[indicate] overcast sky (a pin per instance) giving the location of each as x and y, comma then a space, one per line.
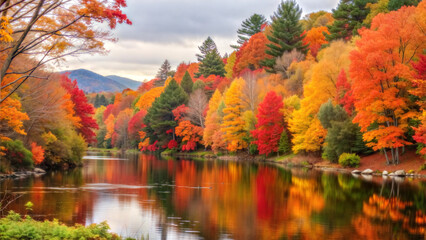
173, 30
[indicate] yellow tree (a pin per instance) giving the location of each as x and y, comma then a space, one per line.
230, 65
233, 123
146, 100
212, 121
308, 134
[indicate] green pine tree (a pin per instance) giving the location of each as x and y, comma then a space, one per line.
97, 104
103, 101
349, 17
162, 74
212, 64
284, 146
248, 28
287, 33
159, 118
208, 46
397, 4
187, 83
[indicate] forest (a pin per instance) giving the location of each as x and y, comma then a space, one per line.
336, 85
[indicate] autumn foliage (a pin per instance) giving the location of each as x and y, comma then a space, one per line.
269, 124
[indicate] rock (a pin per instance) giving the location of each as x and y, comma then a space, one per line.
356, 171
391, 174
367, 172
367, 177
385, 172
39, 170
400, 173
399, 179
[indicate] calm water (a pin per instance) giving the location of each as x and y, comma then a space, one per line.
141, 195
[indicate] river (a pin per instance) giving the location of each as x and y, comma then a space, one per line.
143, 196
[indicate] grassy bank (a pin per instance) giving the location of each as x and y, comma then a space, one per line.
13, 226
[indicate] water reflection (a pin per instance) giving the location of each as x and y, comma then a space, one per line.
169, 199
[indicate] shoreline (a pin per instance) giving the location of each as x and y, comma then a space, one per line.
317, 163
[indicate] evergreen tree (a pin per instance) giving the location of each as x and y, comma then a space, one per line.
284, 146
208, 46
96, 104
287, 33
103, 101
397, 4
212, 64
163, 73
349, 17
342, 135
199, 84
160, 120
187, 83
249, 27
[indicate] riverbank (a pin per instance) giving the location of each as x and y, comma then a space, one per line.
410, 162
37, 172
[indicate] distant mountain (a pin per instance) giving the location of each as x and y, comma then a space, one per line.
91, 82
132, 84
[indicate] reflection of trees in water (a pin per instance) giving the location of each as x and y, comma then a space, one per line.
390, 214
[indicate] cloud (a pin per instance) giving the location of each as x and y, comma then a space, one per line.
173, 29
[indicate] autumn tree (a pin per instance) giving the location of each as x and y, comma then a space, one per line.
382, 77
283, 62
197, 104
308, 134
250, 92
212, 120
190, 134
287, 33
269, 124
349, 17
230, 65
316, 20
38, 153
135, 125
51, 30
344, 94
208, 46
187, 83
249, 27
82, 108
233, 123
315, 38
146, 100
251, 53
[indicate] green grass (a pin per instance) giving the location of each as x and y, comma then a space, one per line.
13, 226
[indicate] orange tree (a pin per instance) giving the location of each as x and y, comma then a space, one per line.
383, 77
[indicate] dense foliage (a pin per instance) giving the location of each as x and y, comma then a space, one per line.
350, 81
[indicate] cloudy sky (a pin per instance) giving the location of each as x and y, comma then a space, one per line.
173, 30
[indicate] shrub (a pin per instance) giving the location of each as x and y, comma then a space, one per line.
349, 160
16, 154
13, 226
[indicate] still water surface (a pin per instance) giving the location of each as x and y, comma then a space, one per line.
144, 196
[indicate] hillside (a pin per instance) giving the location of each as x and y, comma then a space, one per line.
132, 84
90, 81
